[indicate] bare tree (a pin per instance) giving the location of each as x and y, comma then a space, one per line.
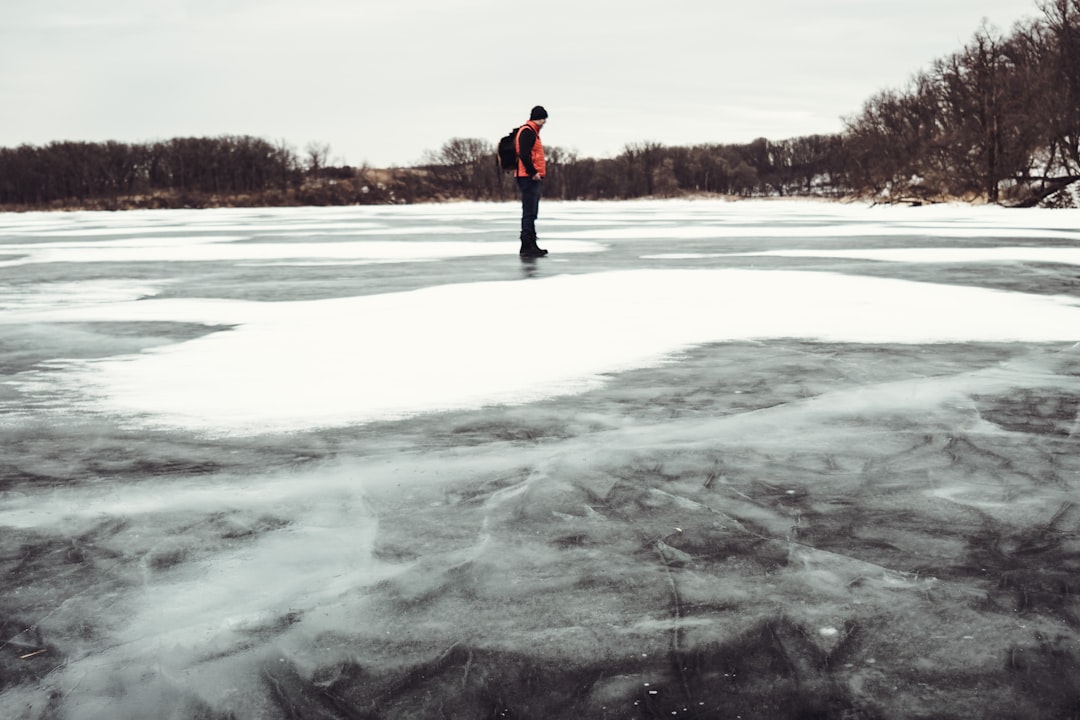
316, 156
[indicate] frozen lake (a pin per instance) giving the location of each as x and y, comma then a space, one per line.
706, 460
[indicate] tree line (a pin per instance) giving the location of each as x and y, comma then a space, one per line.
182, 172
83, 171
799, 166
998, 120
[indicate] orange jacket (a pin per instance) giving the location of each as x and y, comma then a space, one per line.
536, 156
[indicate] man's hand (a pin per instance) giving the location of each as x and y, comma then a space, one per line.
537, 177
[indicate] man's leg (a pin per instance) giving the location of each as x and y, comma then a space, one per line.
530, 208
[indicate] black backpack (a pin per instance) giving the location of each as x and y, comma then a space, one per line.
506, 155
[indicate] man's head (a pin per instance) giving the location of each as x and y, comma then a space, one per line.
538, 114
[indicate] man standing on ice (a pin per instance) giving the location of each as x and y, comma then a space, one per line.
531, 168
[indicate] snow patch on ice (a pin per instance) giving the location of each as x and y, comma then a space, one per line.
302, 365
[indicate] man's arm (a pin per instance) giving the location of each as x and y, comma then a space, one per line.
526, 140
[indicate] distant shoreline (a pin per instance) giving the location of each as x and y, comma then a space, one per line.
177, 201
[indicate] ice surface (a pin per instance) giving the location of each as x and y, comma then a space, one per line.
705, 460
1063, 255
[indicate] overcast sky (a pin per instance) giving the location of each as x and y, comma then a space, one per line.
382, 81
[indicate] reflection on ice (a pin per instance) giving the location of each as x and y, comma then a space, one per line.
220, 250
660, 484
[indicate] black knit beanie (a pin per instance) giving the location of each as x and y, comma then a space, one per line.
538, 113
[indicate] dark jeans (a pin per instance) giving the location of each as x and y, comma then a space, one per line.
530, 205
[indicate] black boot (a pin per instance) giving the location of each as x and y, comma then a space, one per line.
529, 247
